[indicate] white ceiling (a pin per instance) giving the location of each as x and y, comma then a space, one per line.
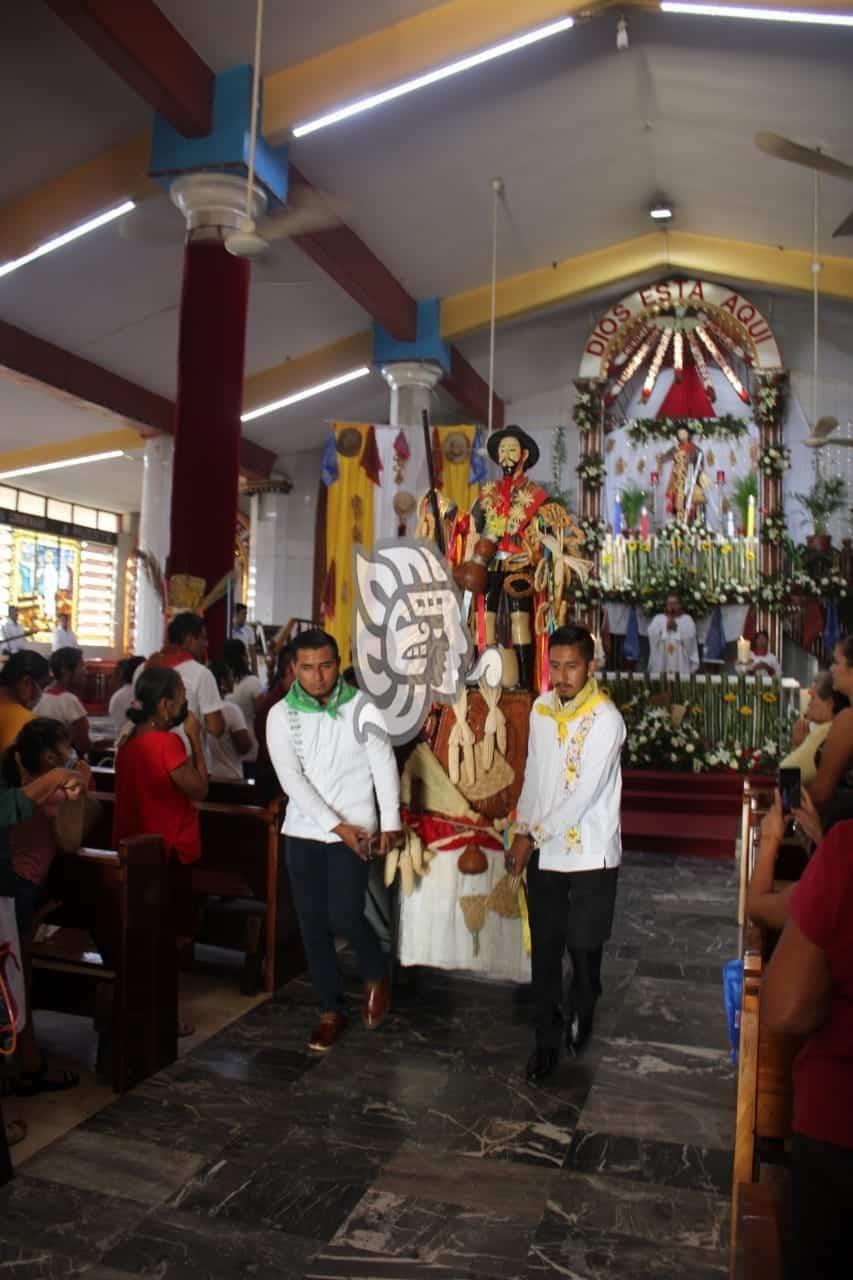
113, 485
583, 135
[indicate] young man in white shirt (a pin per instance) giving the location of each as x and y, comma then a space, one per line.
331, 825
12, 633
63, 636
568, 837
673, 649
186, 652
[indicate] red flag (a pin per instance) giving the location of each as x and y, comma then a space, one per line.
370, 460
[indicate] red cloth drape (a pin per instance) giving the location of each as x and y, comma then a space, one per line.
205, 480
687, 398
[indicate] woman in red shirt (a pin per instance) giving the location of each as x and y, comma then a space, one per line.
157, 782
809, 991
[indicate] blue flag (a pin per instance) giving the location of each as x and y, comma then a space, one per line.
631, 651
715, 641
831, 630
329, 466
478, 470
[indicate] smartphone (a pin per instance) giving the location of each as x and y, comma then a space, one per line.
789, 789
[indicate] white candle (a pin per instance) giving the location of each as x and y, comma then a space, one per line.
744, 651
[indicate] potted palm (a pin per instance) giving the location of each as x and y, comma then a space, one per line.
825, 498
633, 500
746, 487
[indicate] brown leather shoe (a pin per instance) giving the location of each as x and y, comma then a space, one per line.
377, 1003
329, 1031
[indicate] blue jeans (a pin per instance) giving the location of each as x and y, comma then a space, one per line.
329, 885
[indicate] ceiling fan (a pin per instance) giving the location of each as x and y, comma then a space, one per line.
773, 144
821, 433
307, 210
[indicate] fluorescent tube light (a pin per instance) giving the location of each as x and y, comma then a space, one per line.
67, 236
759, 15
431, 77
59, 466
306, 394
661, 213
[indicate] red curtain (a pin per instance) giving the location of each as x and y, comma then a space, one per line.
206, 473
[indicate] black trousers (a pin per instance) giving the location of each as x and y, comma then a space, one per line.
568, 912
329, 884
821, 1201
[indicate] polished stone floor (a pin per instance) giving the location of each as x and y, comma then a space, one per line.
419, 1151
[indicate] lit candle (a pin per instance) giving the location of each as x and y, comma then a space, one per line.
744, 651
750, 517
730, 524
617, 515
644, 524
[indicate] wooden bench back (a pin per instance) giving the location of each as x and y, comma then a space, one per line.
104, 778
119, 898
765, 1087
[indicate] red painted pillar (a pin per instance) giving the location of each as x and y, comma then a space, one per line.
211, 347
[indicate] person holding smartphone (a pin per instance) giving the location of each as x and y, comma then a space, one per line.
331, 826
791, 814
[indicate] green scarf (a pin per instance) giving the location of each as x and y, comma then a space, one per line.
299, 700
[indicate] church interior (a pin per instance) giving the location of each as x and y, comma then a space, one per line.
251, 417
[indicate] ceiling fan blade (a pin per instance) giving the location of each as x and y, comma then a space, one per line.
773, 144
846, 227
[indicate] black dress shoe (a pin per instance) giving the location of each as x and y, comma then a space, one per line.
542, 1063
578, 1031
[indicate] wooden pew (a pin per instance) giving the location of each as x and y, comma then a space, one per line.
113, 957
239, 863
104, 780
759, 1254
764, 1092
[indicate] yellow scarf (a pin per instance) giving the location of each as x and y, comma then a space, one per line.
587, 700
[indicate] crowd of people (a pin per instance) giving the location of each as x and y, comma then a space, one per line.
180, 722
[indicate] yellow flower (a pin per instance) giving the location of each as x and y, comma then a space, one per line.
573, 837
729, 697
750, 555
746, 711
697, 709
726, 549
769, 697
607, 559
632, 545
704, 546
571, 773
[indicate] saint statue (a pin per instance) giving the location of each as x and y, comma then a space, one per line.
688, 481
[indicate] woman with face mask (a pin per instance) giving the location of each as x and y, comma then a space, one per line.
23, 680
157, 782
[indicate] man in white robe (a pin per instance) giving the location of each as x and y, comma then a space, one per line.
568, 837
673, 649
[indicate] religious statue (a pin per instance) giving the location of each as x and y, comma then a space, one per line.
688, 481
502, 566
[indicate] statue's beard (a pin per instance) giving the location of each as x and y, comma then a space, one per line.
511, 468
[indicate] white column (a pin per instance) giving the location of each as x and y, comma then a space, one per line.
412, 383
153, 538
268, 556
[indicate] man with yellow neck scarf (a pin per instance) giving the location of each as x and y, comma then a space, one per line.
568, 837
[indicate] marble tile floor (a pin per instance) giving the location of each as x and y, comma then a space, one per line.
419, 1151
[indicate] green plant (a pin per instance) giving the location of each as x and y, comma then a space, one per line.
633, 500
824, 499
746, 487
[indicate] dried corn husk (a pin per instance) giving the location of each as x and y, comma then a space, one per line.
407, 874
474, 913
460, 750
392, 860
494, 730
439, 793
503, 899
415, 848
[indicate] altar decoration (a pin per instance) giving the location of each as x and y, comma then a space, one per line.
705, 723
642, 430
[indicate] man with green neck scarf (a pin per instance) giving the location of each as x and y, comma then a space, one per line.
568, 837
331, 826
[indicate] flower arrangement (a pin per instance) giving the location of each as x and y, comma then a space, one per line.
825, 586
732, 755
587, 410
655, 740
592, 470
678, 532
769, 399
774, 460
559, 454
594, 532
642, 430
773, 526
